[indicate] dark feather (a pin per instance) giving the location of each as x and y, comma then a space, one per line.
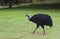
41, 19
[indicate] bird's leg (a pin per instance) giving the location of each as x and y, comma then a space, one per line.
43, 29
35, 29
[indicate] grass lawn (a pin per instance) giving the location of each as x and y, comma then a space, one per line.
15, 25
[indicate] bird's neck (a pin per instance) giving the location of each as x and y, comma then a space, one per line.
28, 17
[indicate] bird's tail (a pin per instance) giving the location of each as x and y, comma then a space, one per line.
51, 25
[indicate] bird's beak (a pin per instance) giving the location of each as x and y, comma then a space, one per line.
26, 15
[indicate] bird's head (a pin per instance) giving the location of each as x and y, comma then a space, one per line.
28, 16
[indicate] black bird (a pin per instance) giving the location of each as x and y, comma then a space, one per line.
40, 20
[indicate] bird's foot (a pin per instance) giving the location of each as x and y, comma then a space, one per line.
44, 33
32, 32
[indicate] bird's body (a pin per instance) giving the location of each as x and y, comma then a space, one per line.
41, 20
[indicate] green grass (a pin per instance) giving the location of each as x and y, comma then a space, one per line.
15, 25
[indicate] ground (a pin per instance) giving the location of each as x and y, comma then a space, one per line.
15, 25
